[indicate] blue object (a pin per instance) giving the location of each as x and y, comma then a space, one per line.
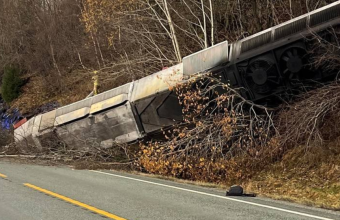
7, 118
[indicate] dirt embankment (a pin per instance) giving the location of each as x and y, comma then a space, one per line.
311, 178
301, 166
40, 90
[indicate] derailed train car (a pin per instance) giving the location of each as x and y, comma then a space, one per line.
265, 64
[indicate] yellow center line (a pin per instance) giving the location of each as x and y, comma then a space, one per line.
3, 175
80, 204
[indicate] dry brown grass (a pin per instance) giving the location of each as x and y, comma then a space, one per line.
40, 90
311, 178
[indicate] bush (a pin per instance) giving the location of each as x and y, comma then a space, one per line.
5, 138
11, 84
219, 141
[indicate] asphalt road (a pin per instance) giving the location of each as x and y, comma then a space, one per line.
31, 192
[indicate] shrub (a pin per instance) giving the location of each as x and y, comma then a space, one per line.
218, 141
11, 84
5, 138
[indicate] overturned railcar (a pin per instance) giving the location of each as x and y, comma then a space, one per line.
276, 60
266, 64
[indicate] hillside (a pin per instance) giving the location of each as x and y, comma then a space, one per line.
58, 48
290, 151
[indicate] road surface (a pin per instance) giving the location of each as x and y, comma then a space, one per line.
32, 192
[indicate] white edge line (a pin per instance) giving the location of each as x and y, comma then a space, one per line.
216, 196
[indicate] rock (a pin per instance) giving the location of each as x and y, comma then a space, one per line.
235, 190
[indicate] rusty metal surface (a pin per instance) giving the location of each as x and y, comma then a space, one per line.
206, 59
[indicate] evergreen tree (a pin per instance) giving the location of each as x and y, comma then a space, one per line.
11, 83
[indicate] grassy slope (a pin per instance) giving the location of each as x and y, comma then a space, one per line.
40, 90
310, 177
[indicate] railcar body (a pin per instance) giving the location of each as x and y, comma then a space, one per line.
265, 64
